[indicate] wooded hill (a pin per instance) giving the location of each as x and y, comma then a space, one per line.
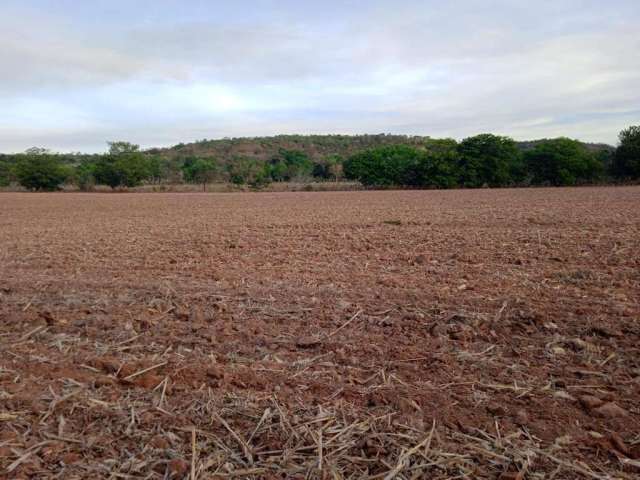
316, 147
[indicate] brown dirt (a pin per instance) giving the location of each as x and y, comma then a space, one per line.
442, 334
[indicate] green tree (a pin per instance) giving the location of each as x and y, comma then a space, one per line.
186, 167
124, 165
37, 169
438, 165
85, 175
171, 169
298, 164
278, 170
328, 168
334, 166
562, 161
6, 169
156, 165
247, 170
320, 170
121, 148
388, 165
441, 145
489, 160
200, 170
626, 161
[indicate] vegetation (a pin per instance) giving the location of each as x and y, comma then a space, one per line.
626, 161
200, 170
39, 170
374, 160
488, 160
6, 170
246, 170
482, 160
123, 166
328, 168
562, 161
385, 166
439, 165
494, 161
85, 175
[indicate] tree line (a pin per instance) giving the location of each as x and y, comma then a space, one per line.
488, 160
394, 161
125, 165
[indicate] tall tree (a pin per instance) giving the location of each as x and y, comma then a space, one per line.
124, 165
626, 161
201, 170
488, 159
39, 169
384, 166
562, 161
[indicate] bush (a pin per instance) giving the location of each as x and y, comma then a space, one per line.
41, 171
562, 161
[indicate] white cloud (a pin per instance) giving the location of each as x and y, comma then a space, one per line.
416, 67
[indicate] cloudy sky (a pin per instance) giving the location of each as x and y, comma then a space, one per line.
76, 73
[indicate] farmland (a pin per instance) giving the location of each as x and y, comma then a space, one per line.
395, 334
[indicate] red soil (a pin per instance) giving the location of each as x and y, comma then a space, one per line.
220, 335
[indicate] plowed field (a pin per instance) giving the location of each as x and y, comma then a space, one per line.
416, 334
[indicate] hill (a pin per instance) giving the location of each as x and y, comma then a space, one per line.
316, 147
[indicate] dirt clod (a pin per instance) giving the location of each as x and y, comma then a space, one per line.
590, 401
308, 342
178, 468
610, 410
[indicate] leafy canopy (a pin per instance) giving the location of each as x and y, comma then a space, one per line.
626, 162
488, 159
124, 165
200, 170
562, 161
402, 165
41, 170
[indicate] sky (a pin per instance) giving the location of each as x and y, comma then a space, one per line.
76, 73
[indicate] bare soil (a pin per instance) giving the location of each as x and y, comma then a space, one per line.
438, 334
